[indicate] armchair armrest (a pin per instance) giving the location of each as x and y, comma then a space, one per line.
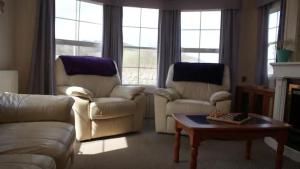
34, 108
219, 96
168, 93
75, 91
126, 92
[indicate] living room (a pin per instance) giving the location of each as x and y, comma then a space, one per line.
140, 84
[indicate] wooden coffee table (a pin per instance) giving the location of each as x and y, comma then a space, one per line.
199, 129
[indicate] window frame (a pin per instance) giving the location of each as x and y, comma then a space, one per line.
200, 50
80, 43
139, 48
272, 11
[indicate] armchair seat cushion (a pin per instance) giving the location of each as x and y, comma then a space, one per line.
53, 139
111, 107
189, 106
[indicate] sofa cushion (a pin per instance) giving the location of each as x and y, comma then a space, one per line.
54, 139
189, 106
106, 108
28, 108
26, 161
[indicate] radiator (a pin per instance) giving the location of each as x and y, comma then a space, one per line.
149, 90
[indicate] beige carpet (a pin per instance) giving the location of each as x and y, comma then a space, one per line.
149, 150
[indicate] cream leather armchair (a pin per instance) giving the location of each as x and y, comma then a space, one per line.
189, 97
103, 107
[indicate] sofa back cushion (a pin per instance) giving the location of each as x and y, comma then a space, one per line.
31, 108
197, 90
100, 86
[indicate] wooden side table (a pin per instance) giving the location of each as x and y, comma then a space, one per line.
251, 92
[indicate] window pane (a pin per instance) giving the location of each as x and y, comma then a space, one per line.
148, 58
147, 76
91, 12
90, 51
190, 57
190, 20
272, 52
272, 35
131, 57
189, 39
61, 26
130, 75
148, 37
131, 16
131, 36
90, 32
66, 9
65, 50
211, 20
209, 58
210, 39
273, 20
149, 18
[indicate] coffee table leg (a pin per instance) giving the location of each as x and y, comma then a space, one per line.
248, 149
194, 154
177, 144
282, 139
194, 142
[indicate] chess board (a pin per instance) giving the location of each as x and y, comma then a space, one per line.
228, 118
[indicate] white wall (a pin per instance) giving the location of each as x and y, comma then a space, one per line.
25, 22
248, 41
7, 25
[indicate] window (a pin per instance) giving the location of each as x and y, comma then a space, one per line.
273, 27
200, 36
78, 28
140, 34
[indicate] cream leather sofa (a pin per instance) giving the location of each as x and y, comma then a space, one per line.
36, 131
103, 107
189, 97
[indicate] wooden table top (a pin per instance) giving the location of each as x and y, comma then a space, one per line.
257, 122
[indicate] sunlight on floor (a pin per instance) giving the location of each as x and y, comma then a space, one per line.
101, 146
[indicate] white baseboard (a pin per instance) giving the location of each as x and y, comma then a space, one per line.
288, 152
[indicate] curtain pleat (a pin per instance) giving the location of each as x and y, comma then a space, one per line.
262, 46
229, 44
281, 23
113, 34
42, 80
169, 43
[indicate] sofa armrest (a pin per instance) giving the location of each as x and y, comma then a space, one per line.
75, 91
126, 92
168, 93
34, 108
219, 96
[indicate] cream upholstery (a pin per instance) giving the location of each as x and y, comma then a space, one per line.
103, 107
189, 97
26, 161
36, 125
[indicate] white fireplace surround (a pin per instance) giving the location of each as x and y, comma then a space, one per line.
282, 72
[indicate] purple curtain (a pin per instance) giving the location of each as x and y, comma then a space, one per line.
262, 46
112, 34
169, 42
229, 44
42, 80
